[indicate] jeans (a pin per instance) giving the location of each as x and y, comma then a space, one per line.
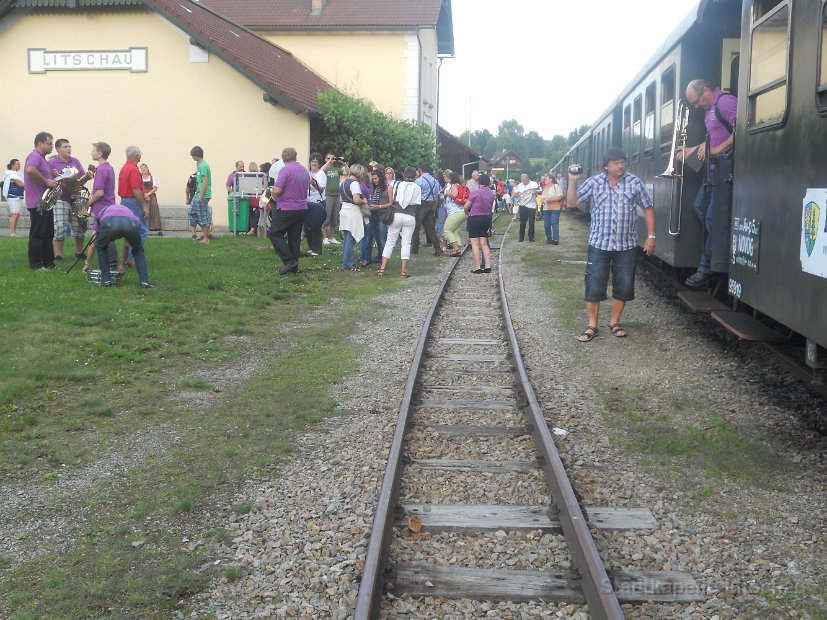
348, 250
286, 233
702, 206
132, 205
440, 220
527, 217
376, 230
622, 265
117, 227
551, 222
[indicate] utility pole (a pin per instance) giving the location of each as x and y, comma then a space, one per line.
469, 121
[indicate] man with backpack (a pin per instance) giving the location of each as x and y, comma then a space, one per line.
720, 112
426, 211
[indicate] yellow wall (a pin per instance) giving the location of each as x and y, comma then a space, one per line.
175, 105
383, 67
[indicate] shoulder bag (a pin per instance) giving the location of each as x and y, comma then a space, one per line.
391, 212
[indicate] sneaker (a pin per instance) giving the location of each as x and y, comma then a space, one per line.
147, 285
312, 253
195, 237
555, 242
334, 241
12, 235
698, 279
325, 241
58, 257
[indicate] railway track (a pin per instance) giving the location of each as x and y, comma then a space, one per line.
473, 462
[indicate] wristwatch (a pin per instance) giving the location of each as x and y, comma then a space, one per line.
651, 236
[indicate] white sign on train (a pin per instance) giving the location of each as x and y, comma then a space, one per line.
133, 59
813, 246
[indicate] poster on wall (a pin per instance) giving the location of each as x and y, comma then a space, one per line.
813, 249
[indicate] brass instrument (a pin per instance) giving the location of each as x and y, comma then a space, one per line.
266, 197
678, 136
674, 170
52, 194
80, 196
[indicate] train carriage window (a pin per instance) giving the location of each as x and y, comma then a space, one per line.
627, 128
769, 67
637, 109
649, 122
667, 110
822, 63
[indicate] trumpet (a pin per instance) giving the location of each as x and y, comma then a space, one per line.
678, 141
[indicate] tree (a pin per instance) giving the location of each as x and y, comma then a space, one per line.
360, 133
535, 145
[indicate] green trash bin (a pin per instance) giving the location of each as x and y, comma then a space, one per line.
240, 220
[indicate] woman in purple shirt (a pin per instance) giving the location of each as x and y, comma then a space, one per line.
479, 207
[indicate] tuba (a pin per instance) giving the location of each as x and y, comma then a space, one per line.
52, 194
80, 196
678, 142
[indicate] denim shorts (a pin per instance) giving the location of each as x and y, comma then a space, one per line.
622, 265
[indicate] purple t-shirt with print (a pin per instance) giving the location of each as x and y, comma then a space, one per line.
293, 179
57, 164
34, 189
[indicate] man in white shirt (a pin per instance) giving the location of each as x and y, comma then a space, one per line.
525, 197
473, 183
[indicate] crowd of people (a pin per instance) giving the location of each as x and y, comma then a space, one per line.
366, 209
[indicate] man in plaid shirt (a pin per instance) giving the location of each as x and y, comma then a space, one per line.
615, 196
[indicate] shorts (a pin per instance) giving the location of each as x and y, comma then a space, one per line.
332, 206
478, 226
63, 219
200, 213
622, 265
15, 204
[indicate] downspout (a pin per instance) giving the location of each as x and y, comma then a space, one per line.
419, 80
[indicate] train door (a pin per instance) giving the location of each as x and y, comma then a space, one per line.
724, 178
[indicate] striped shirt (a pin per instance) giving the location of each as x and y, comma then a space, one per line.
614, 211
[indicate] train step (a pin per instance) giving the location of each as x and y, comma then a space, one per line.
746, 327
701, 301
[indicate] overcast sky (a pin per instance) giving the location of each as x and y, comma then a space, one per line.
553, 66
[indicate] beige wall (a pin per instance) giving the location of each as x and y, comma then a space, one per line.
387, 68
167, 110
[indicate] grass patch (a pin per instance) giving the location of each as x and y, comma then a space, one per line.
67, 396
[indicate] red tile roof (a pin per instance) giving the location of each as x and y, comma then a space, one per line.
361, 14
276, 71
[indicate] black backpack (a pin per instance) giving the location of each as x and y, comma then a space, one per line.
192, 184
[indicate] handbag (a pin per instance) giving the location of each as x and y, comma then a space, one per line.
391, 211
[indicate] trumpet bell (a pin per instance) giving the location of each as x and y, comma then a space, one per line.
80, 203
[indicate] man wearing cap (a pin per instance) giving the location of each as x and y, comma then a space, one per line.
615, 195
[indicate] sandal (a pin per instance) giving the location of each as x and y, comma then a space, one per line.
588, 335
618, 331
404, 274
380, 272
477, 270
456, 254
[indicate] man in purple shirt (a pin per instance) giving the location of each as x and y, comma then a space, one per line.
37, 177
239, 167
103, 190
721, 109
63, 207
116, 222
291, 208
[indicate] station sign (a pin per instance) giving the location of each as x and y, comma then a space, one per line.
133, 59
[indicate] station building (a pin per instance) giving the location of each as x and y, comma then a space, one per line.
237, 77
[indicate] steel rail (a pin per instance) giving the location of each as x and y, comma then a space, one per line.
595, 583
370, 587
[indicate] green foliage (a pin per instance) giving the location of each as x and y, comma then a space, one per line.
542, 153
355, 130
